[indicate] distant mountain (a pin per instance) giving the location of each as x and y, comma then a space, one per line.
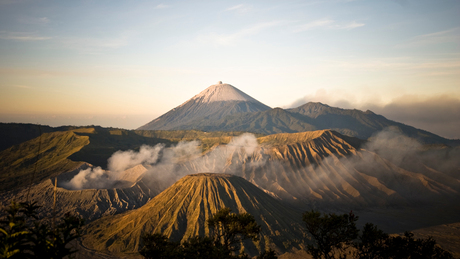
181, 211
359, 124
222, 107
315, 116
214, 103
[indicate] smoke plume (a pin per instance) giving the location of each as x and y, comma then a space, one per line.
167, 164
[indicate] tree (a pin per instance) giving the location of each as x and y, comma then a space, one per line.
23, 235
332, 233
373, 243
230, 229
158, 246
377, 244
204, 247
267, 254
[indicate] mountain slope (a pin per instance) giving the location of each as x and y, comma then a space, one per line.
271, 121
214, 103
181, 212
20, 161
136, 190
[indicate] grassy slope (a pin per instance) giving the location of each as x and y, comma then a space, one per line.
63, 146
106, 141
18, 162
16, 133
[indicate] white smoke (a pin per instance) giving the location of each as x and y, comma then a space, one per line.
97, 178
122, 160
90, 178
168, 164
186, 158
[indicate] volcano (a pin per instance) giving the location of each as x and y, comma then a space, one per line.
181, 211
214, 103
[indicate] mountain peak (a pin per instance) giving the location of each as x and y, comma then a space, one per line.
212, 104
222, 92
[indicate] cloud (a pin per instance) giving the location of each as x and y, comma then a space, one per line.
21, 36
162, 6
446, 36
439, 114
327, 24
348, 26
241, 8
91, 44
35, 20
403, 3
229, 39
314, 24
44, 20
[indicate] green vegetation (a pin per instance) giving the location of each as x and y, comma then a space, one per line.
20, 161
228, 229
207, 139
23, 235
180, 135
336, 236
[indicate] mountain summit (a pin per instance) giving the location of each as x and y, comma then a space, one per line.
214, 103
222, 93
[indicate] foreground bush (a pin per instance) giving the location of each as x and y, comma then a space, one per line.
228, 230
23, 235
336, 236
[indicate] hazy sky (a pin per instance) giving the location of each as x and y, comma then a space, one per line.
124, 63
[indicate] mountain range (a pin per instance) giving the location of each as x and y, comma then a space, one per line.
199, 159
223, 107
